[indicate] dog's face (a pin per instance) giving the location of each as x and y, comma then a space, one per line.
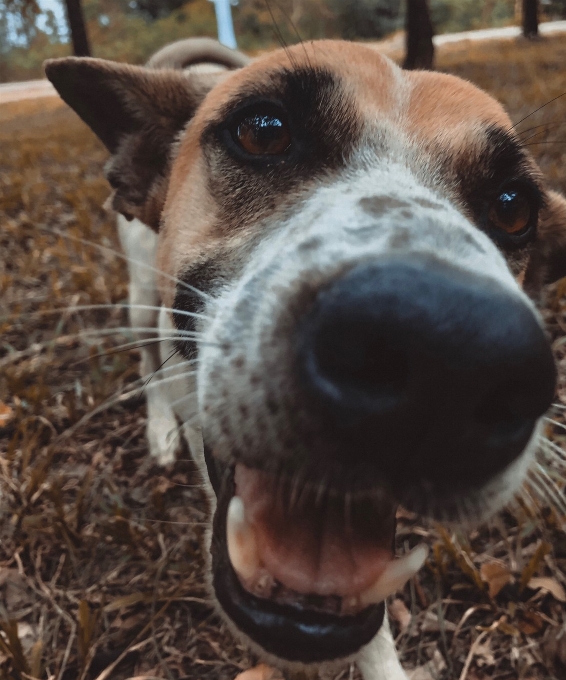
356, 234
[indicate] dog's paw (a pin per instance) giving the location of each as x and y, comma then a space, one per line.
163, 437
261, 672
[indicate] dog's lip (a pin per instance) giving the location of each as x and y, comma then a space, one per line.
291, 633
285, 631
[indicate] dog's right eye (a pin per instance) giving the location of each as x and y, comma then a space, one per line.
511, 212
263, 133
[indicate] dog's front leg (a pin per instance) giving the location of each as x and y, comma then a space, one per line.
379, 660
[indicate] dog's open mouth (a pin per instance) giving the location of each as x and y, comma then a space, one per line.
304, 573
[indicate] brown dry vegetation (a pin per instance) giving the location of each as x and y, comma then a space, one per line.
101, 572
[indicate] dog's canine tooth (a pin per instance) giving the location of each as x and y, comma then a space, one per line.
396, 574
242, 544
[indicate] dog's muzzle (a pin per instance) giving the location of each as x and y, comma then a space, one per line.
426, 373
411, 380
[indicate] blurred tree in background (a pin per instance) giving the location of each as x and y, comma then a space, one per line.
20, 17
130, 30
418, 36
77, 28
530, 19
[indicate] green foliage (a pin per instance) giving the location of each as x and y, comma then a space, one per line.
115, 33
464, 15
555, 9
127, 36
366, 18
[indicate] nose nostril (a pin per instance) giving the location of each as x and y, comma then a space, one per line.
504, 413
359, 364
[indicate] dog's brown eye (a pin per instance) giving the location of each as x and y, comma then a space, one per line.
511, 211
263, 134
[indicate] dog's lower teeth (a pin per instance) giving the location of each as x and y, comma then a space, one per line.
396, 574
242, 545
244, 556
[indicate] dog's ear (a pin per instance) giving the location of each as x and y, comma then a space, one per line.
548, 259
137, 113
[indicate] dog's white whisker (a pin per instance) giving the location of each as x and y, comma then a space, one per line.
165, 370
62, 342
555, 422
553, 448
533, 483
71, 309
132, 345
556, 494
134, 391
172, 378
138, 263
545, 491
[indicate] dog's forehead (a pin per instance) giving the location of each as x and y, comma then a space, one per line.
425, 104
441, 104
438, 115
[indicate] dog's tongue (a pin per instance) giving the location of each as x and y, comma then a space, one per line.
324, 549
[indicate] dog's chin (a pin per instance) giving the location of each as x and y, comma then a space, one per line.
292, 633
293, 618
302, 572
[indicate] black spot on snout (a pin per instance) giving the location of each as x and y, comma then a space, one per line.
376, 206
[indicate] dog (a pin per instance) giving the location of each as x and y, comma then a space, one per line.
347, 255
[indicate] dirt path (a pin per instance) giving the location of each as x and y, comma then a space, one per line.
30, 89
507, 32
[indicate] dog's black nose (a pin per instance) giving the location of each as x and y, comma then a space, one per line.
425, 371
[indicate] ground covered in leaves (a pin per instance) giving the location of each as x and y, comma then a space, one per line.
101, 569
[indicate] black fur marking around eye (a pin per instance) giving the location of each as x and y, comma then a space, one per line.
501, 163
324, 128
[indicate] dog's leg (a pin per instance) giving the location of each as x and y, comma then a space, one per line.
379, 658
140, 243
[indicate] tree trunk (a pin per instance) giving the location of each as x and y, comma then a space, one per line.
530, 19
76, 21
419, 32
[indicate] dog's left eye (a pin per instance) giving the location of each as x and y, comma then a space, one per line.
263, 134
511, 212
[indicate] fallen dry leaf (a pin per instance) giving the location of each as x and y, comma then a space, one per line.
555, 645
6, 414
400, 614
431, 670
551, 585
484, 655
496, 575
432, 624
530, 623
261, 672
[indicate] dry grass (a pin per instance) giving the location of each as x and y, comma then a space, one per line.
101, 572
